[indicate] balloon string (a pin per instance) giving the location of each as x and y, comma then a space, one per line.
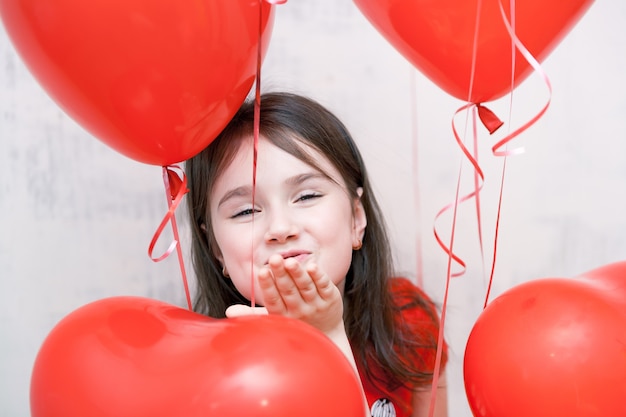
496, 235
489, 123
503, 175
537, 67
175, 189
510, 26
451, 256
478, 183
474, 49
457, 201
256, 128
440, 341
419, 271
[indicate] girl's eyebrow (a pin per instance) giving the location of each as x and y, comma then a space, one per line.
240, 191
246, 190
300, 178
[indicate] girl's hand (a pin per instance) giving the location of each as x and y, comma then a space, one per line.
304, 293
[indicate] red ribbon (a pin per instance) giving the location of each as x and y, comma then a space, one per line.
176, 183
492, 123
510, 26
451, 256
175, 189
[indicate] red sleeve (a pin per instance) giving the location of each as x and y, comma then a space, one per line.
421, 318
418, 321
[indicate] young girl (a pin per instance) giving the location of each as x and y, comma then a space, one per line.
311, 233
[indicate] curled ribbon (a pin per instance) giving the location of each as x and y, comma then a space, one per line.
175, 189
492, 123
175, 182
457, 201
537, 67
510, 26
479, 177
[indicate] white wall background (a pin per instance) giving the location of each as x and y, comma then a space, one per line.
76, 218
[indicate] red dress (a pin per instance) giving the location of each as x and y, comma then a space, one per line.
422, 322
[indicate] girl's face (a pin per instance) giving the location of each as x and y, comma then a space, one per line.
298, 212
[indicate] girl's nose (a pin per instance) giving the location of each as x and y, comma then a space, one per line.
280, 228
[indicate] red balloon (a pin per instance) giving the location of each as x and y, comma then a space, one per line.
155, 80
437, 37
137, 357
613, 278
549, 347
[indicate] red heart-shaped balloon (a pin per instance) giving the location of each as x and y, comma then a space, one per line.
437, 37
551, 347
137, 357
155, 80
612, 278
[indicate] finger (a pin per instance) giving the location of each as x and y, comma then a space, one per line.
284, 271
272, 299
283, 280
304, 283
324, 286
240, 310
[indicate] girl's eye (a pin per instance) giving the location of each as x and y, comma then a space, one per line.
308, 196
246, 212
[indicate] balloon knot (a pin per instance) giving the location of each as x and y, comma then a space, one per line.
177, 184
488, 118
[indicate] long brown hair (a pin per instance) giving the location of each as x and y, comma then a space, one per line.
369, 310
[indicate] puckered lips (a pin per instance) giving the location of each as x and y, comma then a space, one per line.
299, 254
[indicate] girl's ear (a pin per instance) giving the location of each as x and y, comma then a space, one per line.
359, 220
